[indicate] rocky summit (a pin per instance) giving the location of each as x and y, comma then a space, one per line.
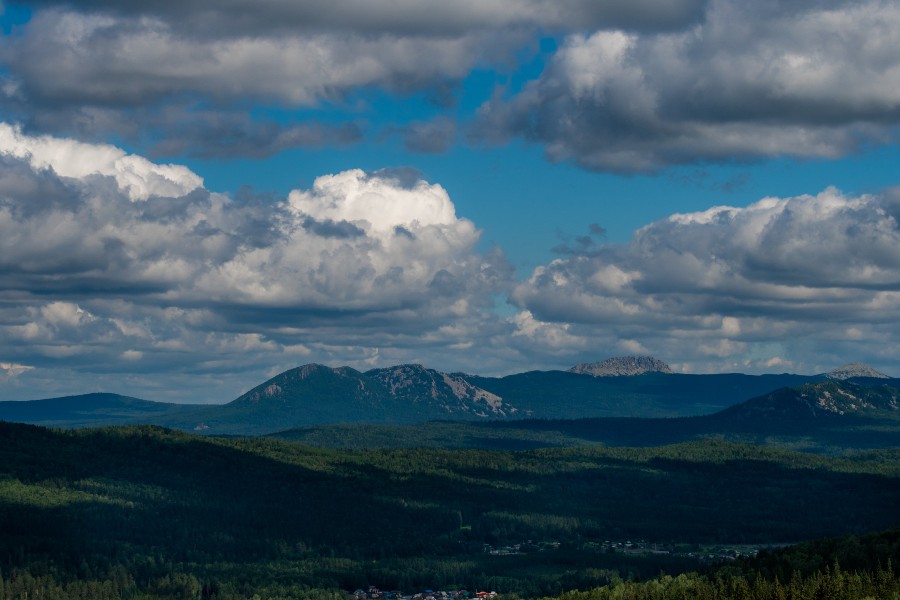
622, 365
449, 394
849, 371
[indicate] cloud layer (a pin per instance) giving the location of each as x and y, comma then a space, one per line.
751, 81
113, 263
121, 274
809, 276
633, 86
113, 266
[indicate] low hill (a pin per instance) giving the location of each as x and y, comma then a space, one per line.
826, 417
87, 410
567, 395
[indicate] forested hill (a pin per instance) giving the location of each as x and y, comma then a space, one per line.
88, 410
826, 416
316, 395
159, 509
848, 568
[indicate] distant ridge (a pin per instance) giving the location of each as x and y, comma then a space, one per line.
314, 394
821, 399
87, 410
852, 370
622, 365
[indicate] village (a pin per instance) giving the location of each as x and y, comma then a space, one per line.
373, 593
704, 554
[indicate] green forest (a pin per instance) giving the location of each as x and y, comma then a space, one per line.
134, 512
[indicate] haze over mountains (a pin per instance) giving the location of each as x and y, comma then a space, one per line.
623, 387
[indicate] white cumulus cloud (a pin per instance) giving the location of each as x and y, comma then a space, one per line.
801, 272
109, 276
136, 176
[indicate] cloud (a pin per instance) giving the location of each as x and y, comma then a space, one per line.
796, 272
98, 59
582, 244
231, 134
431, 137
750, 81
406, 17
633, 87
9, 370
102, 271
549, 336
177, 77
134, 175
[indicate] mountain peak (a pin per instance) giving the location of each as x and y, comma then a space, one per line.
622, 365
311, 369
851, 370
450, 393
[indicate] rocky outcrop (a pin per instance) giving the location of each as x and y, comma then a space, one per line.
822, 399
622, 365
852, 370
451, 393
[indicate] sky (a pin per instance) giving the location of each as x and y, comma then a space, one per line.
196, 195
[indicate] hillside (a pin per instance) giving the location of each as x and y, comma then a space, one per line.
160, 509
88, 410
822, 400
845, 568
314, 395
827, 416
566, 395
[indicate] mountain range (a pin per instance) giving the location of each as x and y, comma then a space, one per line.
624, 387
826, 417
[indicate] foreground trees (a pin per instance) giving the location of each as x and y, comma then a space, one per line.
145, 512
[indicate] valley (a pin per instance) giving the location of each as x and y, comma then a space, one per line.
491, 499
